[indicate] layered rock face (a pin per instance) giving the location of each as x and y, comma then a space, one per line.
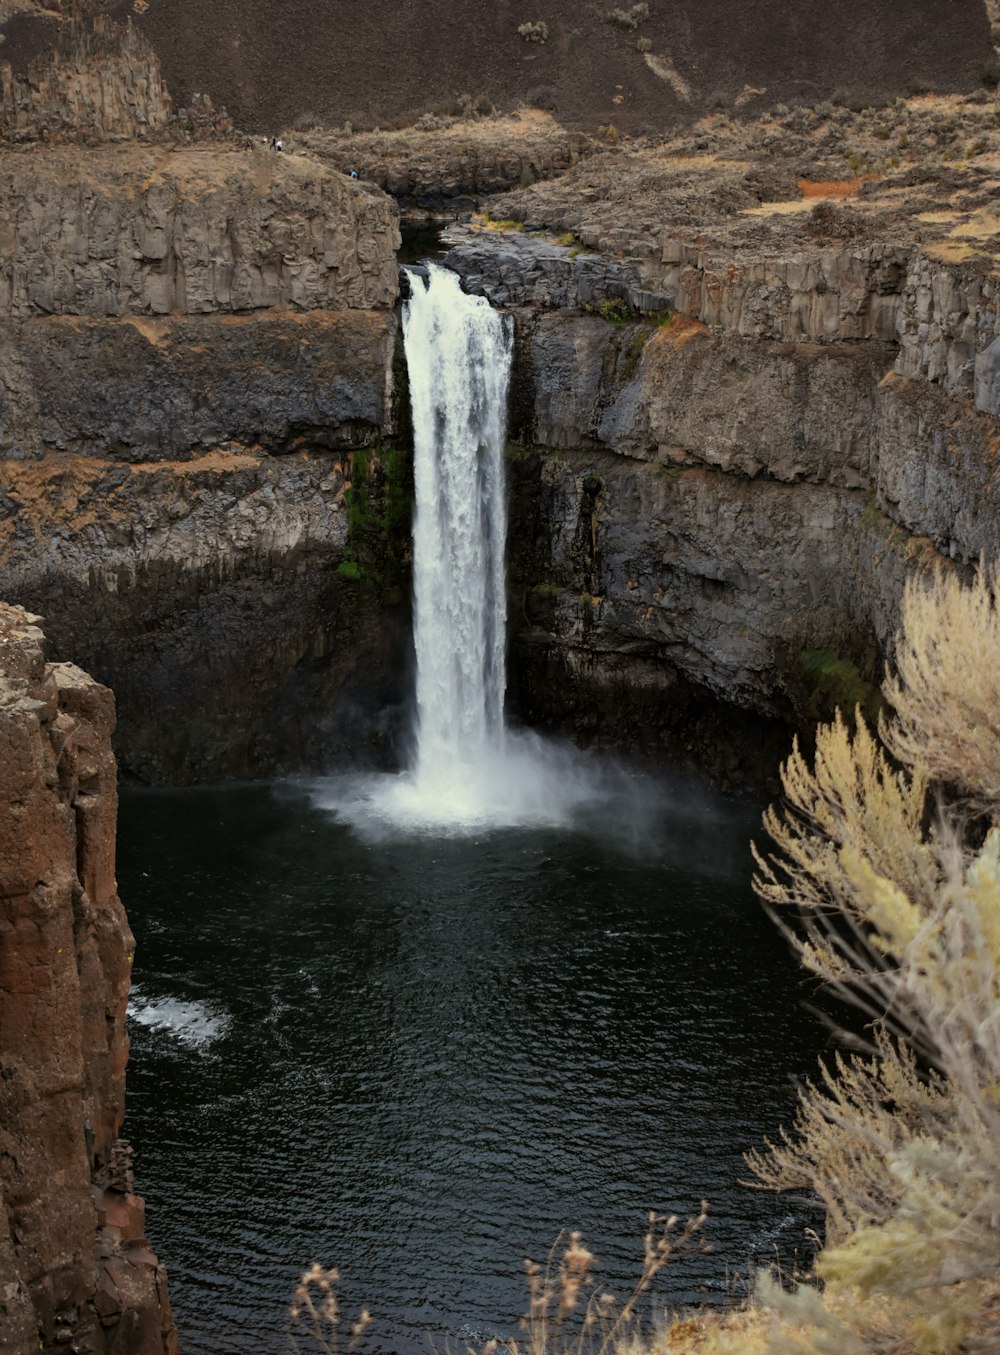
99, 84
98, 81
198, 348
75, 1269
446, 169
727, 501
123, 230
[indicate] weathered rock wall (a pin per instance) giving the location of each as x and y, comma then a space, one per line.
697, 516
652, 604
447, 168
718, 506
121, 230
144, 389
201, 352
196, 376
246, 617
75, 1269
943, 317
100, 80
127, 277
680, 393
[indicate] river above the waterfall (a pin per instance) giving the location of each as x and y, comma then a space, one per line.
419, 1058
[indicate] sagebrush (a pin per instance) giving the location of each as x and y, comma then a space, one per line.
889, 856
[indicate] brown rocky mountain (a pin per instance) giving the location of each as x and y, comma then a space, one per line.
274, 63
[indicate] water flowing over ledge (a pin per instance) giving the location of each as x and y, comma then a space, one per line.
469, 771
458, 351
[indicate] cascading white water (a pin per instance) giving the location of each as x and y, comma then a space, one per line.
469, 772
458, 353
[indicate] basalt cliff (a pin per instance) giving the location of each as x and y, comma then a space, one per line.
737, 431
297, 63
76, 1272
196, 344
756, 386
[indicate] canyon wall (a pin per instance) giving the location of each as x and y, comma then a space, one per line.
96, 81
734, 434
81, 79
723, 496
196, 421
719, 484
286, 63
75, 1269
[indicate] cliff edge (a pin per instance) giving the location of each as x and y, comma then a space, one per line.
75, 1269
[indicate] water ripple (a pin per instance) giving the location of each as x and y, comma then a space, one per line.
429, 1057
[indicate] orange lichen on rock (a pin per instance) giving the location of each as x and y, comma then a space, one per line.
834, 188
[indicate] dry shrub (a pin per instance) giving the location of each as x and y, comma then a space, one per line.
568, 1312
947, 686
629, 19
896, 884
534, 32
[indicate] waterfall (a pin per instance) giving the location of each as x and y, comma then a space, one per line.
469, 771
458, 353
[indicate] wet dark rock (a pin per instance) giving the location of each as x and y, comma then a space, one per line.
515, 269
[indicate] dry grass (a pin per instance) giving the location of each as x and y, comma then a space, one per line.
317, 1323
791, 207
569, 1314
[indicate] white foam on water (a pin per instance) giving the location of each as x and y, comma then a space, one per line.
193, 1024
530, 783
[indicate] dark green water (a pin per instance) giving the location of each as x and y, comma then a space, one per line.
419, 1059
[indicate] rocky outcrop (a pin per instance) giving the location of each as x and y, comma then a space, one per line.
512, 270
126, 231
831, 295
936, 468
821, 295
166, 389
75, 1269
196, 414
100, 81
247, 609
129, 285
446, 168
712, 511
679, 394
949, 329
733, 443
651, 599
700, 516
